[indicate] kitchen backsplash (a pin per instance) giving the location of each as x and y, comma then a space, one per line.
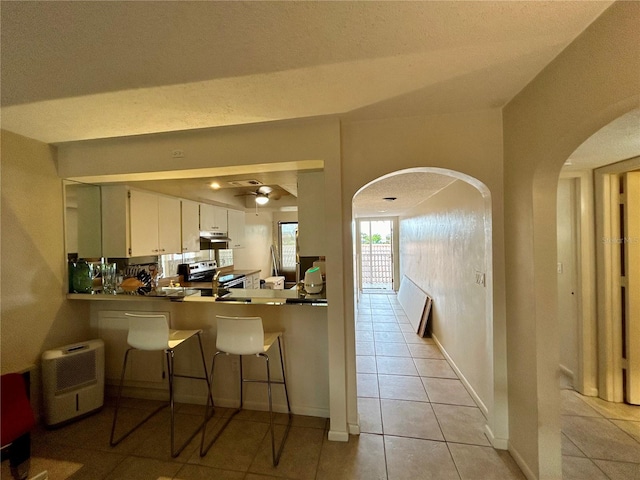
170, 262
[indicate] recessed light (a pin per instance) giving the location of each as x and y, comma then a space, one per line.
389, 199
214, 185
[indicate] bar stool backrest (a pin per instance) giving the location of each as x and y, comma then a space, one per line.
148, 331
240, 335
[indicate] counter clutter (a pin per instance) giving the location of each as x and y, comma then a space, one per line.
233, 295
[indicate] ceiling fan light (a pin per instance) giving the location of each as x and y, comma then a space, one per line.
261, 199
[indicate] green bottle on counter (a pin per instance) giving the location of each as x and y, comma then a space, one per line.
82, 276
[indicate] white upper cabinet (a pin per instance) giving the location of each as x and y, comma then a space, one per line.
236, 228
213, 218
190, 226
136, 223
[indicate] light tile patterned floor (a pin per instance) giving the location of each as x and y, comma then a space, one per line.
417, 420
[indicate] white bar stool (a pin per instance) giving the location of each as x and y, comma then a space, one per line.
246, 336
152, 333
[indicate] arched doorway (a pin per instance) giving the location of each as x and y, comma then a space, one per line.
444, 239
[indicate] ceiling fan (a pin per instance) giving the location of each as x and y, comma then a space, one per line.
262, 194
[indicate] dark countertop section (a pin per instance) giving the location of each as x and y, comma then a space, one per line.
258, 296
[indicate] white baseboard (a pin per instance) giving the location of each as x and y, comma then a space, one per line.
354, 428
497, 443
521, 463
462, 378
338, 436
161, 394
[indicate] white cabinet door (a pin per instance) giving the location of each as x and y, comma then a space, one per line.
136, 223
213, 218
236, 228
143, 209
190, 226
168, 225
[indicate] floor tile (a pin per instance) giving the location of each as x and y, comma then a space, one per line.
365, 348
475, 462
430, 367
391, 350
609, 442
572, 404
71, 462
299, 457
409, 419
402, 388
366, 364
396, 366
577, 468
364, 326
367, 384
413, 337
425, 351
362, 458
413, 458
446, 390
461, 424
365, 335
136, 468
370, 416
569, 448
632, 428
393, 337
236, 447
616, 411
406, 327
386, 327
201, 472
619, 470
383, 316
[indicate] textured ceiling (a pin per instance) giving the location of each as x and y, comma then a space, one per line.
408, 190
82, 70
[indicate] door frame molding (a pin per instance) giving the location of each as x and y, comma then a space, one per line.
585, 378
609, 338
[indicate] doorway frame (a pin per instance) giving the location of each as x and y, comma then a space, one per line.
395, 250
497, 411
609, 344
585, 379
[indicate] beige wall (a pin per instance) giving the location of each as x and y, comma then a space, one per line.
469, 143
35, 314
256, 252
595, 80
442, 245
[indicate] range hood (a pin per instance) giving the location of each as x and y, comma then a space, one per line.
214, 236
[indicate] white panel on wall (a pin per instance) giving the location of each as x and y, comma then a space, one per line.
413, 301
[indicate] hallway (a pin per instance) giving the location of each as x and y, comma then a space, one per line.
410, 394
431, 427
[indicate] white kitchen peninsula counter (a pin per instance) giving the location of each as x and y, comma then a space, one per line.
306, 348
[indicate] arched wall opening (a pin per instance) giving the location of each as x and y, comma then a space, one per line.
543, 125
445, 249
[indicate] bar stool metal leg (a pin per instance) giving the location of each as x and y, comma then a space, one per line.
115, 442
203, 449
169, 353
